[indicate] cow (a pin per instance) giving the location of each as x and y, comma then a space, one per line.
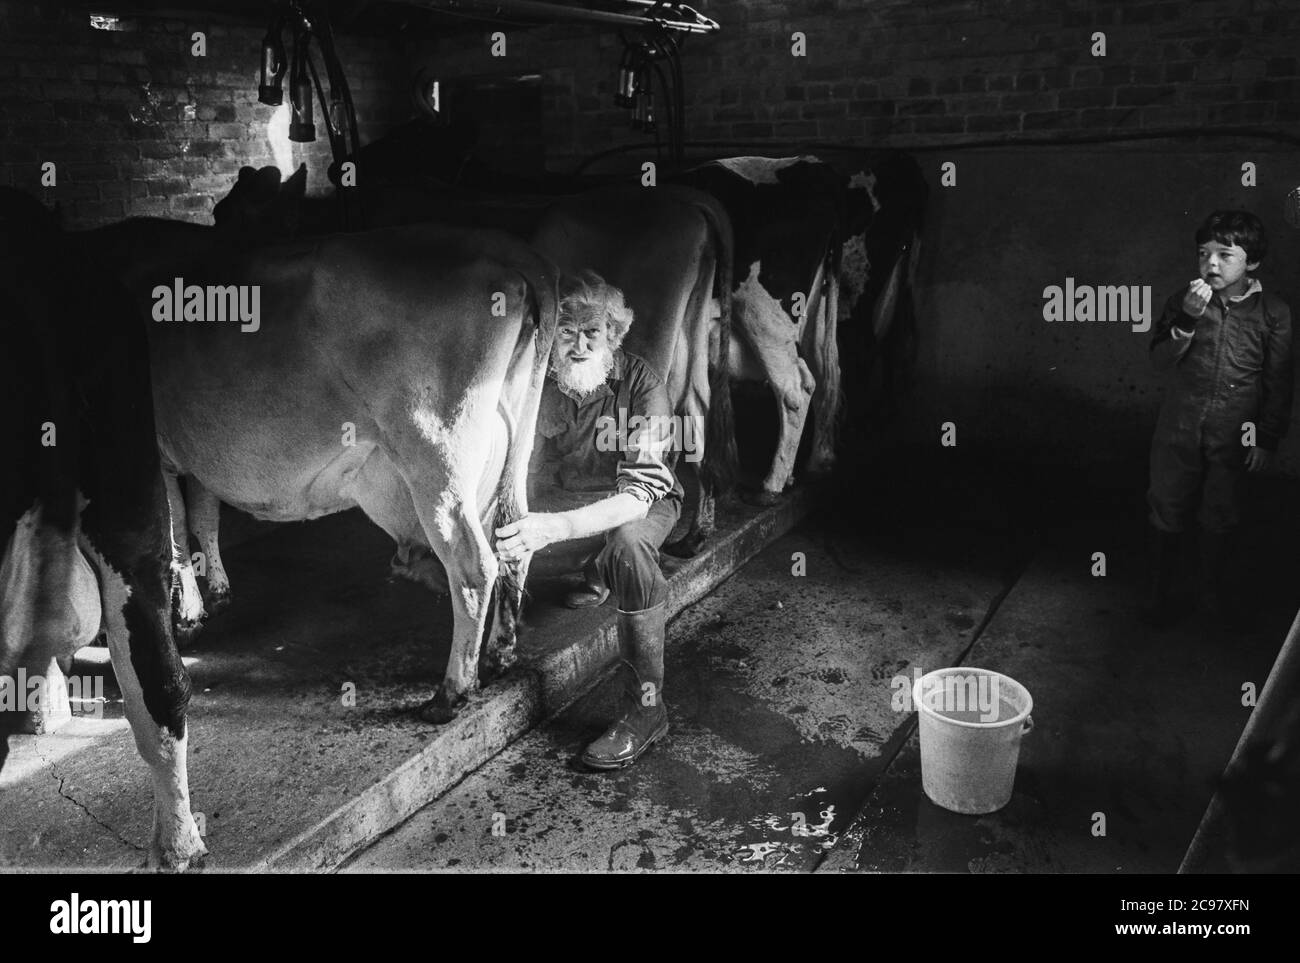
877, 332
84, 511
395, 370
807, 238
787, 215
668, 249
806, 229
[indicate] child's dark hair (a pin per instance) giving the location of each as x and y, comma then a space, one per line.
1241, 228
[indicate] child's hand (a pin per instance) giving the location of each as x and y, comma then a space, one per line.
1257, 459
1197, 298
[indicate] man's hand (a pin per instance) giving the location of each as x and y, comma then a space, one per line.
1259, 460
531, 533
1197, 298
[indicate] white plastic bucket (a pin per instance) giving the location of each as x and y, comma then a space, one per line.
971, 723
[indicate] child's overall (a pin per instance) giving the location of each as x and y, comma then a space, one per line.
1235, 368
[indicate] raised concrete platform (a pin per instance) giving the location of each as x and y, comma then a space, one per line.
286, 775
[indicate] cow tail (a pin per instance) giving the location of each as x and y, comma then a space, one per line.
833, 396
42, 541
512, 498
721, 460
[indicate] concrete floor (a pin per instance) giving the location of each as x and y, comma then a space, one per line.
1132, 725
786, 756
282, 767
778, 686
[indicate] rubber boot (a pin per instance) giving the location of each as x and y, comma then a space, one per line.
1214, 598
591, 593
1158, 609
643, 716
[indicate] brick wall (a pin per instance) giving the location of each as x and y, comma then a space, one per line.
136, 125
908, 73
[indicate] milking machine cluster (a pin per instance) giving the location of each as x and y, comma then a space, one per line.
653, 56
308, 20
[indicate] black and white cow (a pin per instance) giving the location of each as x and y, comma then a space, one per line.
878, 336
788, 218
85, 526
818, 258
428, 342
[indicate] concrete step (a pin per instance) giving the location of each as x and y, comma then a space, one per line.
283, 773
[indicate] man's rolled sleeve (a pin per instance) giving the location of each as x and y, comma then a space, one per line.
643, 471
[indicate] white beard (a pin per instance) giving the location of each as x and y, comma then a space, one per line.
584, 377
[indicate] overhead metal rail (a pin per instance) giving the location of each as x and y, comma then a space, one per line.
671, 16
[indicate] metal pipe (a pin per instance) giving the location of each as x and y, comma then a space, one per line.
1207, 846
554, 11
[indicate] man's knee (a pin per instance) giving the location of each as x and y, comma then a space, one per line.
629, 565
628, 545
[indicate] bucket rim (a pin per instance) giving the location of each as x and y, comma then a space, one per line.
919, 705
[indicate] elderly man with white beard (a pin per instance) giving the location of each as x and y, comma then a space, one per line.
624, 491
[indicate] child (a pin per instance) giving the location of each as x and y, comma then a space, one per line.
1226, 344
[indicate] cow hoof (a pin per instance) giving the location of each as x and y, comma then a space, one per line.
441, 709
493, 665
186, 632
217, 602
687, 547
763, 498
191, 859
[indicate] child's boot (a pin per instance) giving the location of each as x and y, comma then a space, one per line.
1218, 600
1162, 555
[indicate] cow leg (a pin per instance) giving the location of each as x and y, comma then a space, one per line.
204, 510
773, 358
472, 568
155, 692
508, 598
768, 349
189, 608
49, 607
692, 355
498, 653
821, 348
382, 494
445, 499
706, 515
793, 386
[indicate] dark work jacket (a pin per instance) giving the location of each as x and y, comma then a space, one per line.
567, 451
1235, 367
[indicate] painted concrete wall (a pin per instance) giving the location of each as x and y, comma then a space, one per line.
1020, 220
